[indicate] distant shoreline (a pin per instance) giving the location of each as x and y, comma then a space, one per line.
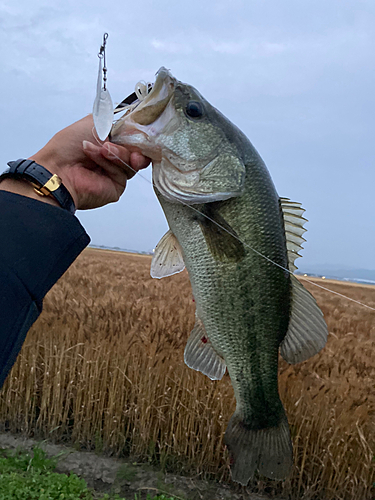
335, 281
357, 281
320, 279
119, 250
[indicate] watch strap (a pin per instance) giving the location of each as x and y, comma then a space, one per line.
43, 181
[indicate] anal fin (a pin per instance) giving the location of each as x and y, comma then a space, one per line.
201, 356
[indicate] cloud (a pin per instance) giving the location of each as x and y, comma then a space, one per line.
171, 47
229, 47
273, 48
199, 44
297, 77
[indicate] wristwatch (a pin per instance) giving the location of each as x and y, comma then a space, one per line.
45, 183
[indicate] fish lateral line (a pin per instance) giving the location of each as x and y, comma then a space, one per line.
235, 236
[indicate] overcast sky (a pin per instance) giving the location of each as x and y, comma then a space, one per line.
297, 76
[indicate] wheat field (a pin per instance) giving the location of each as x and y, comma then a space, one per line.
103, 368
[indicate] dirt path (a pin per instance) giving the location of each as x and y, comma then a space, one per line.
111, 475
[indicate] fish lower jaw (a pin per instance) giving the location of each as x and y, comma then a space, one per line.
137, 140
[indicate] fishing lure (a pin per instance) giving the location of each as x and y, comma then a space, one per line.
103, 107
142, 89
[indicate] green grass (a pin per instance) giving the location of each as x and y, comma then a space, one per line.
31, 476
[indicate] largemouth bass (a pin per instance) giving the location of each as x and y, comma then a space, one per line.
238, 241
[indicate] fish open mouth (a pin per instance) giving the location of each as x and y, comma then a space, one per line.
154, 125
147, 103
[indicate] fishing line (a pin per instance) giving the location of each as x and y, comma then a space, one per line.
235, 236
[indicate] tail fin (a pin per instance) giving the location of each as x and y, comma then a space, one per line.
268, 450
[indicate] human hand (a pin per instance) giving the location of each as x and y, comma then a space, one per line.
93, 174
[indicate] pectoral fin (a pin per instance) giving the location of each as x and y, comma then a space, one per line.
307, 332
167, 259
201, 356
221, 238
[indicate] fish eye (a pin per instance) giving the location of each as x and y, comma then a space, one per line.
194, 109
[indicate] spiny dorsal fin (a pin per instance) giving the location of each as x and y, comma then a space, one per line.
307, 332
167, 259
201, 356
293, 222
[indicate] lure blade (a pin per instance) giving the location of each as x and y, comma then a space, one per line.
103, 108
103, 114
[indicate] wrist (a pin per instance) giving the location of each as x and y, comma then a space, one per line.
24, 188
49, 162
43, 183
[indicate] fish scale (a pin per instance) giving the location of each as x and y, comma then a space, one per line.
244, 306
237, 239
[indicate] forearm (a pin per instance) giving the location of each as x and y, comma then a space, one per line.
38, 242
38, 239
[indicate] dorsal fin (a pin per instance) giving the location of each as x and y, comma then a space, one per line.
167, 259
307, 332
293, 223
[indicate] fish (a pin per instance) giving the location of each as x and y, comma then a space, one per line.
238, 241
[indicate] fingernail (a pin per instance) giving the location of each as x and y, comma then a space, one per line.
111, 151
86, 144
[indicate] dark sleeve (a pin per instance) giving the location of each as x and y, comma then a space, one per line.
38, 242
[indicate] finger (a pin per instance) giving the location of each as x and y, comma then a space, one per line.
119, 156
135, 159
118, 175
138, 161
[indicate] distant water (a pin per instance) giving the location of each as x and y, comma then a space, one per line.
357, 280
336, 278
310, 275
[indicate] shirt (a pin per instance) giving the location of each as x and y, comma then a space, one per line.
38, 242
